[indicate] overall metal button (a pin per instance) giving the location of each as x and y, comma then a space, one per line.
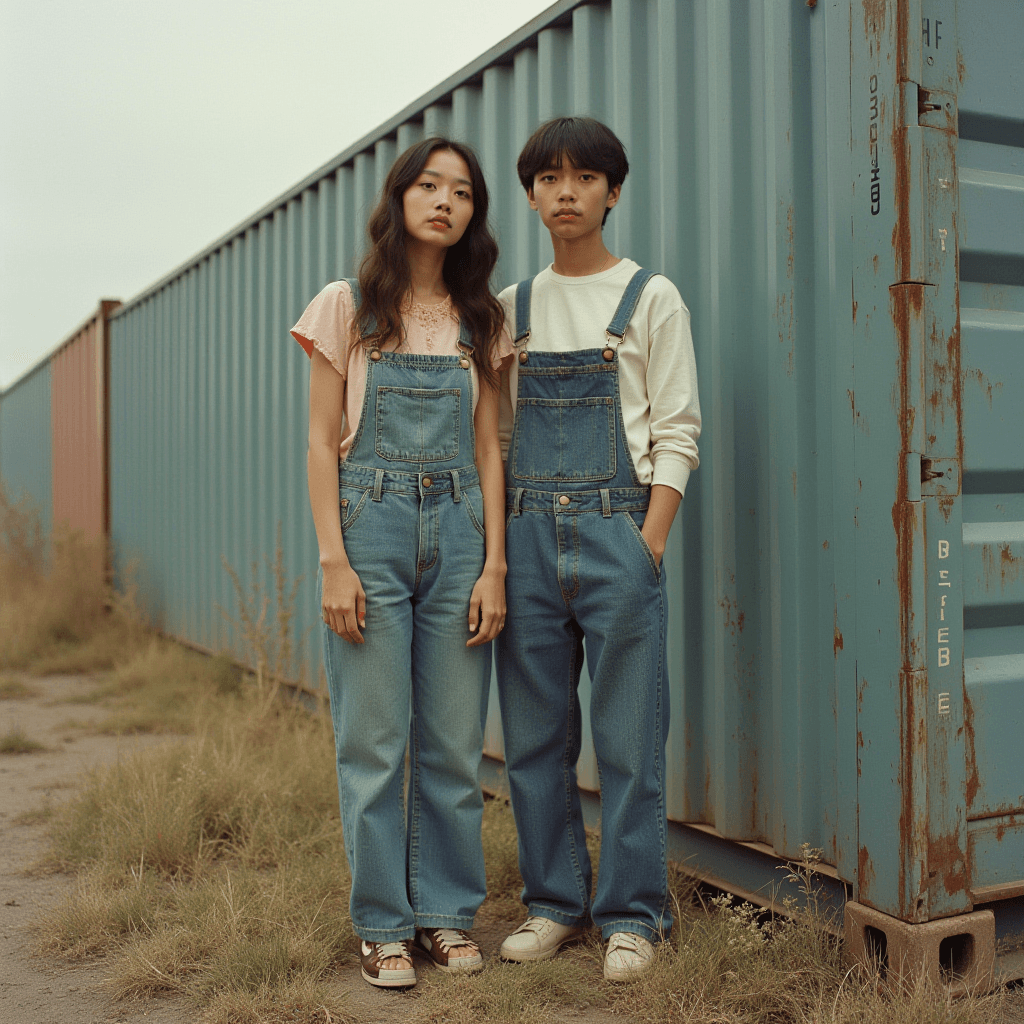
608, 354
523, 356
563, 499
464, 363
375, 355
427, 481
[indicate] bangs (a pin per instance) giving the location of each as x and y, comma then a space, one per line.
583, 141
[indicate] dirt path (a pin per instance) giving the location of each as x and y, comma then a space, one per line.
35, 990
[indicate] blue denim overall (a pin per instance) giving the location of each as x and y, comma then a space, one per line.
412, 520
580, 575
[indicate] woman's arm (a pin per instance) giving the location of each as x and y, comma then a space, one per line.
344, 602
487, 604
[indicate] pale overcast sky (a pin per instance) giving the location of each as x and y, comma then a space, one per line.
133, 133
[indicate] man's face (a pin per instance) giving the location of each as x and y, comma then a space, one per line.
572, 200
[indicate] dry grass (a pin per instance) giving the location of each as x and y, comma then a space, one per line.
213, 867
16, 741
12, 688
58, 613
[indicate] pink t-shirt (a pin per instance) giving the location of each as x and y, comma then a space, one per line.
429, 330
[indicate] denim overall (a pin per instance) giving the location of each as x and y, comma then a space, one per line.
580, 575
412, 520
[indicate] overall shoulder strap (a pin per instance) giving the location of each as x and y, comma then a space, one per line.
627, 304
523, 290
357, 297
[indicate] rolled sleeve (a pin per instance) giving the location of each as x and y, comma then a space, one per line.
675, 407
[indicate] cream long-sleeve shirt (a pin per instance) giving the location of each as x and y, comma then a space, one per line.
657, 371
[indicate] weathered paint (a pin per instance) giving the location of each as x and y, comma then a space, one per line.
25, 446
78, 415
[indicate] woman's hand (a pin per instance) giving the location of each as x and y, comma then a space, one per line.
344, 602
487, 607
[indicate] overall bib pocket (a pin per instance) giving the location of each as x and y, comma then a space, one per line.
565, 439
423, 424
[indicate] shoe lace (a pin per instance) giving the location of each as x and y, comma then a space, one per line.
538, 925
450, 938
623, 940
387, 950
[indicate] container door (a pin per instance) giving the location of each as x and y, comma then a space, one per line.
990, 158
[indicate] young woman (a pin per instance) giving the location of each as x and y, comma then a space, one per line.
412, 554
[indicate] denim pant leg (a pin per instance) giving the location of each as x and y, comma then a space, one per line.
622, 609
540, 655
451, 682
369, 687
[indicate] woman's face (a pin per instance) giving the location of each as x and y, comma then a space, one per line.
438, 206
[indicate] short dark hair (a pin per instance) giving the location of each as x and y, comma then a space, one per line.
585, 141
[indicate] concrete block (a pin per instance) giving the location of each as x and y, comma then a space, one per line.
955, 953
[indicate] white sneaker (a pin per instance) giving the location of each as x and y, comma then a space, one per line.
627, 956
538, 938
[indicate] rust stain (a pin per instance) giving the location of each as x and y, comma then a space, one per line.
1007, 565
837, 642
954, 351
984, 383
1004, 825
740, 620
946, 504
973, 781
854, 310
902, 300
865, 873
961, 69
901, 233
874, 262
913, 822
945, 855
874, 19
824, 545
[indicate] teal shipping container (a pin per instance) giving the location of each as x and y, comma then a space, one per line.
26, 449
837, 189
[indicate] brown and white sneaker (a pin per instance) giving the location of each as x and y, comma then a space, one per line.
374, 957
438, 944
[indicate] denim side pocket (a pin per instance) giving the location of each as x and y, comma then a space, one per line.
351, 508
474, 500
655, 567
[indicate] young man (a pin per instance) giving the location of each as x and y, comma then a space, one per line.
601, 428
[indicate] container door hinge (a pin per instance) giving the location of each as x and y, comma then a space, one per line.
928, 108
940, 477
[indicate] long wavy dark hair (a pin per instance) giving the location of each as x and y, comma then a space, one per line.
384, 272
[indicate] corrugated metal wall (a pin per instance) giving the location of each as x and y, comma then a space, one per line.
79, 427
736, 119
991, 173
25, 442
